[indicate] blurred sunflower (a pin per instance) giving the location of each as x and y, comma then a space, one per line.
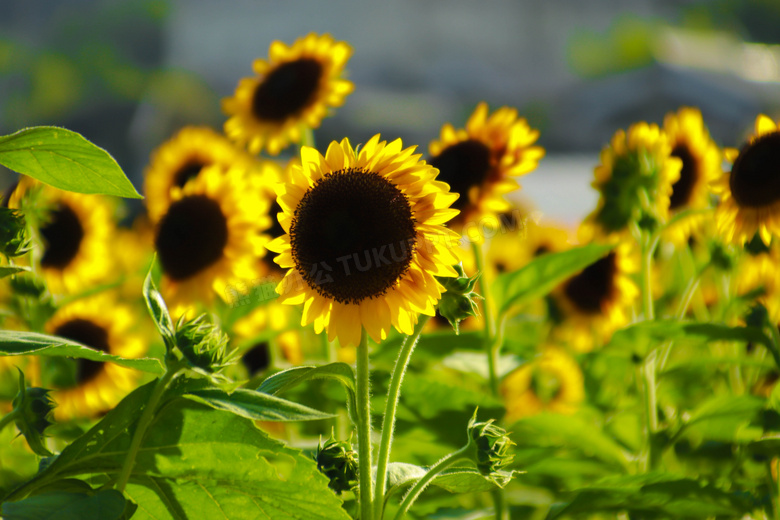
251, 334
592, 304
210, 237
508, 252
181, 158
293, 89
750, 192
480, 161
364, 239
701, 165
552, 382
634, 180
95, 387
757, 269
76, 231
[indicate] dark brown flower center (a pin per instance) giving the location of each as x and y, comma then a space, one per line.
463, 166
287, 89
62, 235
191, 236
352, 235
90, 334
755, 175
257, 358
589, 289
187, 172
682, 190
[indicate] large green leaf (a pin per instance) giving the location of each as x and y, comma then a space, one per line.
62, 505
543, 274
197, 462
64, 159
16, 343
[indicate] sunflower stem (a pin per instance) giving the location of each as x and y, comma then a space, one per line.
307, 136
143, 424
388, 420
649, 366
490, 319
7, 418
364, 427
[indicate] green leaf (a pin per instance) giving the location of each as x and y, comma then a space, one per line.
64, 159
10, 270
196, 462
726, 406
17, 343
543, 274
60, 505
159, 310
340, 372
454, 480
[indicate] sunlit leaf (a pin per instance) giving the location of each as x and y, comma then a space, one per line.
107, 504
10, 270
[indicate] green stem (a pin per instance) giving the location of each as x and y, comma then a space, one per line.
649, 366
364, 427
682, 309
421, 484
499, 504
143, 423
388, 421
10, 416
490, 319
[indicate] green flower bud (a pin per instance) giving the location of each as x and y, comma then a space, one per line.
28, 285
458, 302
32, 409
490, 446
13, 233
337, 461
203, 344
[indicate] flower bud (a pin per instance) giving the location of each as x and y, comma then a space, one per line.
337, 461
13, 233
32, 409
490, 445
203, 344
458, 302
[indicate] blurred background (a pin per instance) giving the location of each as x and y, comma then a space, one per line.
128, 74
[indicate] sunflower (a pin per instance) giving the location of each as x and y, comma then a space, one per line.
552, 382
757, 269
508, 252
750, 192
293, 89
210, 237
95, 387
480, 161
634, 179
364, 239
181, 158
701, 165
76, 231
592, 304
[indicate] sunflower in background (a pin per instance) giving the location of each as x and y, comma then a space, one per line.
364, 239
750, 192
508, 252
210, 237
591, 305
480, 161
292, 91
701, 165
94, 387
552, 382
634, 180
757, 268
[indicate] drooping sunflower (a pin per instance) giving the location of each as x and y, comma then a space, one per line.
364, 239
701, 165
598, 300
293, 88
552, 382
95, 387
76, 231
750, 192
210, 237
480, 161
634, 179
181, 158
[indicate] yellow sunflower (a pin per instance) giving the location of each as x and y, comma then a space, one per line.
364, 239
508, 252
701, 165
750, 192
210, 237
95, 387
598, 300
479, 162
76, 234
181, 158
293, 89
757, 269
552, 382
635, 177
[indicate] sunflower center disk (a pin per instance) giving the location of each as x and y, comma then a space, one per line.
352, 235
89, 334
257, 358
592, 286
63, 235
191, 237
287, 89
463, 166
755, 176
187, 172
683, 188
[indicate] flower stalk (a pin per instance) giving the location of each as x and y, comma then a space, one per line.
364, 427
